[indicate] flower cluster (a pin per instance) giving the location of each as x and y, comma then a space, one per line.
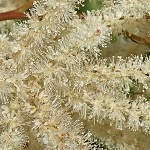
52, 68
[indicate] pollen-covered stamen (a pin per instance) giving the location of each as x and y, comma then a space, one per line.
81, 15
97, 32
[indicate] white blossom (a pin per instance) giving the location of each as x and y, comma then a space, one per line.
53, 75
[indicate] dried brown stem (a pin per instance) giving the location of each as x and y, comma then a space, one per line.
25, 6
10, 15
17, 13
137, 39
